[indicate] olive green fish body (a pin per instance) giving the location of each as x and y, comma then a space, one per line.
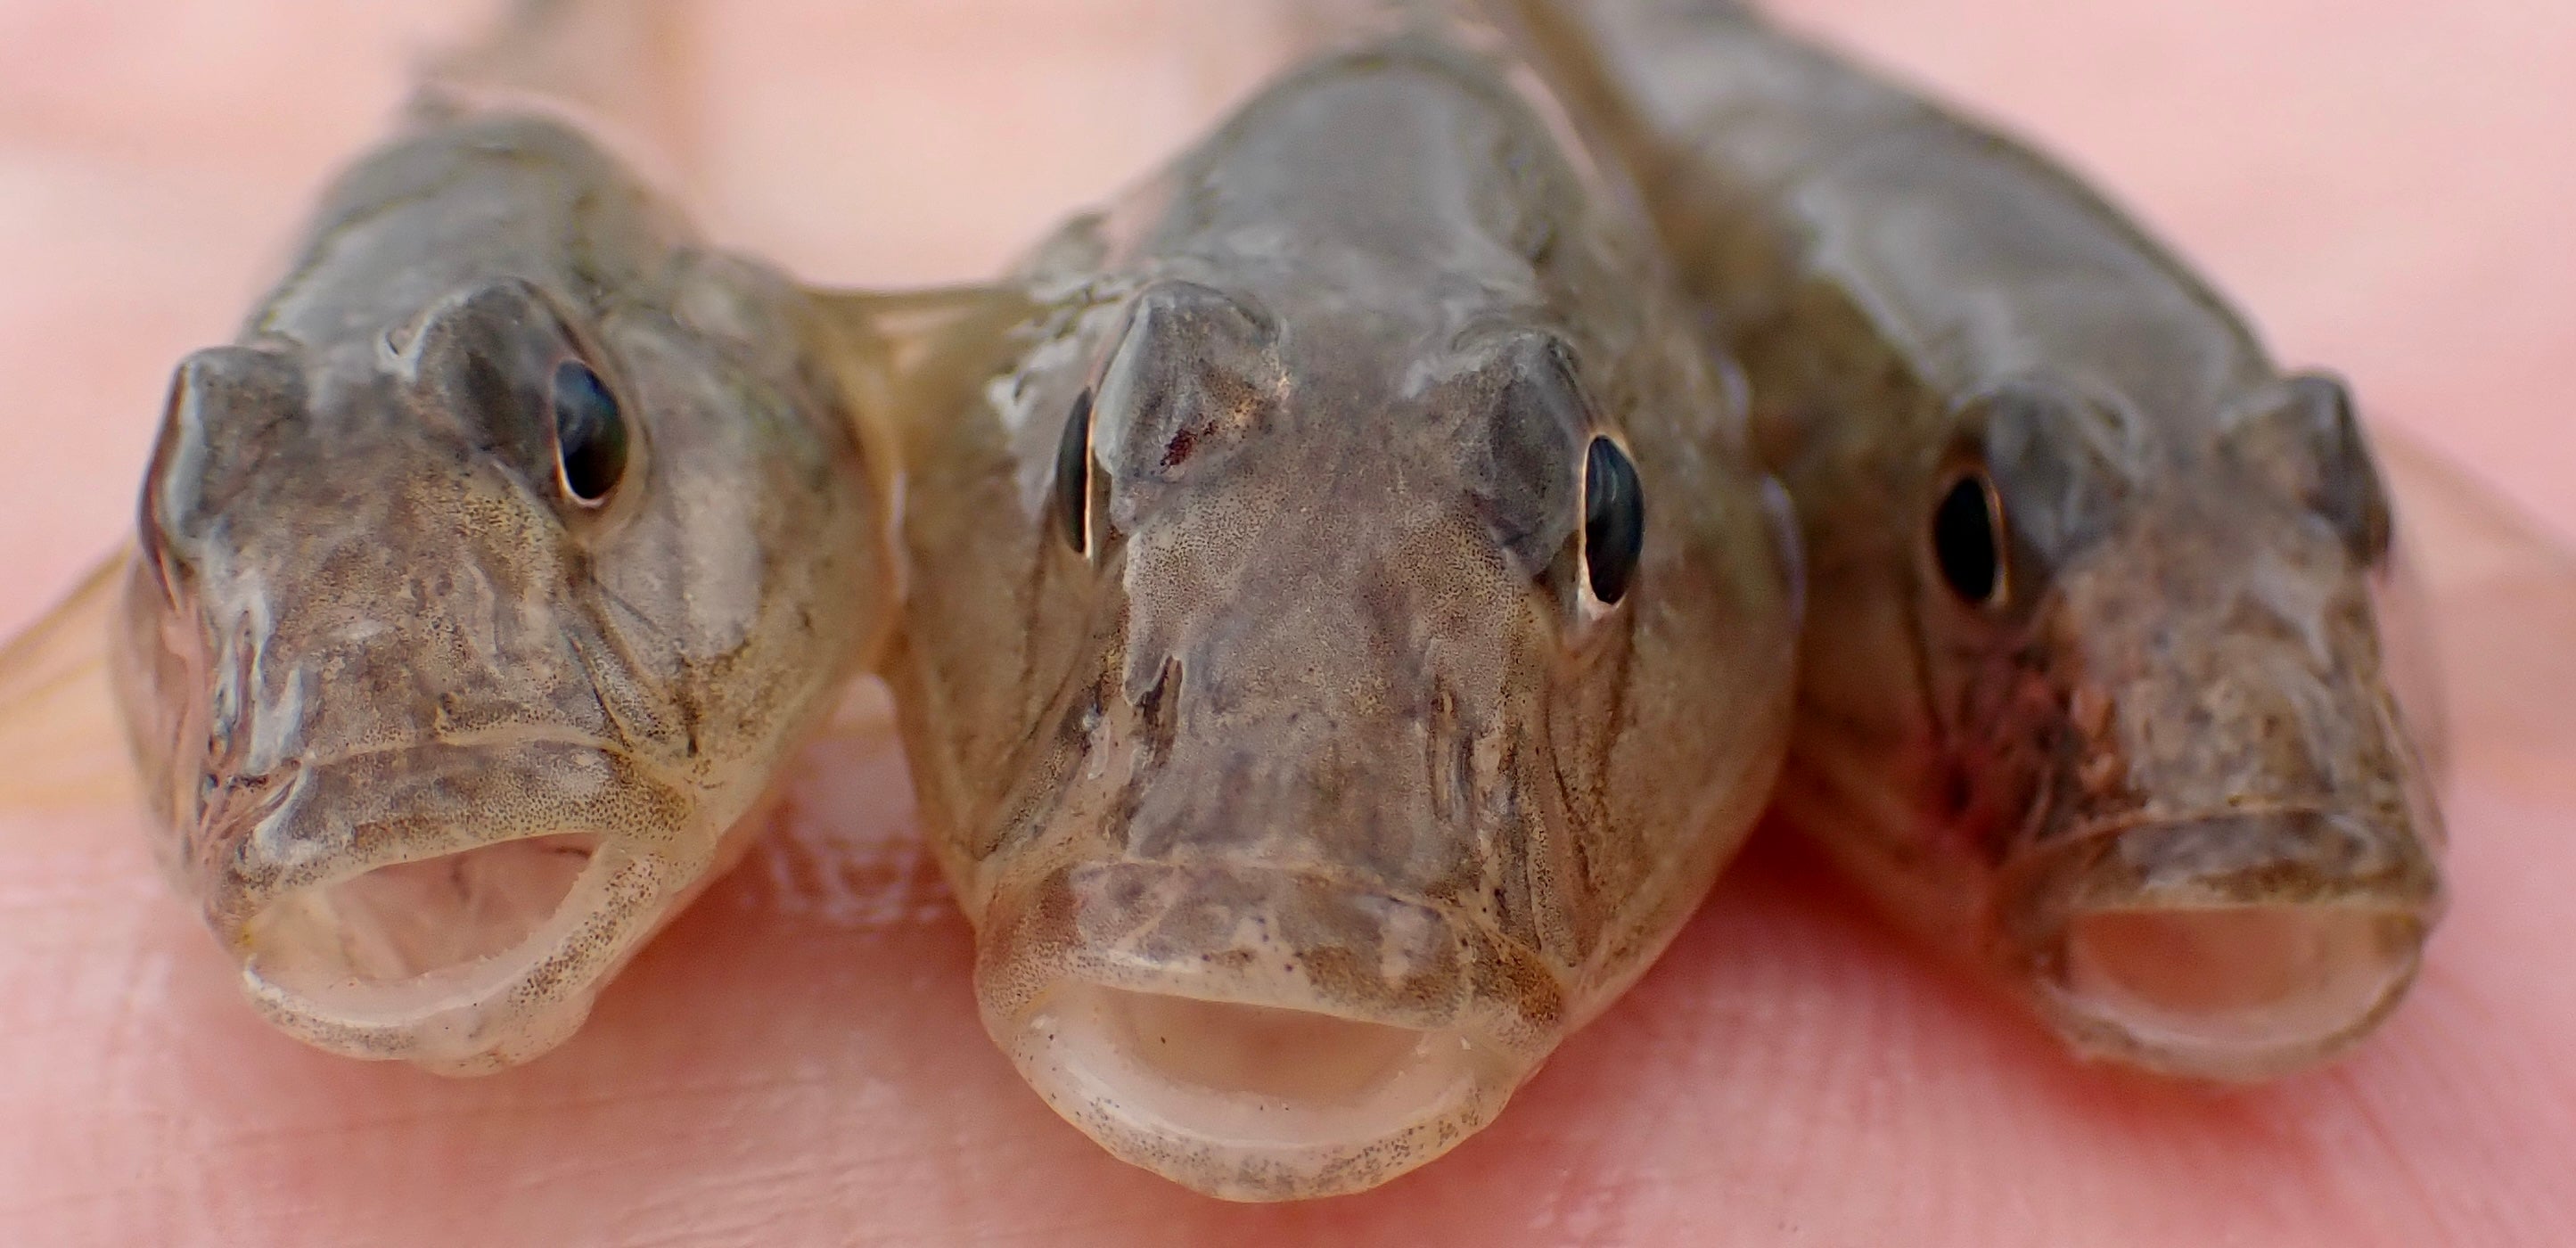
1307, 667
486, 580
2092, 682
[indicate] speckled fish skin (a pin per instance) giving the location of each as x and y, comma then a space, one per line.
1286, 687
375, 625
2175, 706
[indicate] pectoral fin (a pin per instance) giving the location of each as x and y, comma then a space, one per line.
61, 743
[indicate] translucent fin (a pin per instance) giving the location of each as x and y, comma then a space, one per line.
2469, 532
909, 326
895, 355
924, 347
2502, 595
61, 745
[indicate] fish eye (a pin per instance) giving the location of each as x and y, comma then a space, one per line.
1968, 542
1073, 476
590, 433
1614, 520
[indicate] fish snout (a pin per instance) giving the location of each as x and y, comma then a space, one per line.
2233, 946
456, 906
1259, 1033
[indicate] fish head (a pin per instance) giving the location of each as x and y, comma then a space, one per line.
455, 650
1311, 849
2173, 724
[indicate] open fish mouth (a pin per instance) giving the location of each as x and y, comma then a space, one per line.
1257, 1102
464, 962
405, 920
2238, 992
1258, 1034
455, 906
2234, 947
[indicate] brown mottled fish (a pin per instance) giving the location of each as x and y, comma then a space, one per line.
2095, 688
483, 583
1345, 635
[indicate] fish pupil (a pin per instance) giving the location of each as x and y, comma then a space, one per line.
1073, 476
1614, 520
590, 433
1966, 543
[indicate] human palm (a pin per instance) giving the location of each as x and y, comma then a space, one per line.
797, 1059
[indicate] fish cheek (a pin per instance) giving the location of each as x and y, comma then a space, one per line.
2035, 480
716, 549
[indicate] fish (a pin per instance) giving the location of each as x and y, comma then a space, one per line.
482, 585
2113, 681
1344, 632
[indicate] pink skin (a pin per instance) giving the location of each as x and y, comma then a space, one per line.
797, 1060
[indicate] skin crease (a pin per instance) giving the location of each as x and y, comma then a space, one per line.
797, 1060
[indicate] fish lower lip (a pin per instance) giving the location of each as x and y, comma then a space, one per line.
1257, 1033
463, 962
408, 919
453, 904
2232, 992
2237, 946
1255, 1102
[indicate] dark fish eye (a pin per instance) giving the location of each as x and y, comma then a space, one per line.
1073, 476
590, 433
1967, 540
1614, 520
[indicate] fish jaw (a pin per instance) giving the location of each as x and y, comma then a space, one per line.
1260, 1034
514, 989
2235, 946
458, 907
2237, 864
